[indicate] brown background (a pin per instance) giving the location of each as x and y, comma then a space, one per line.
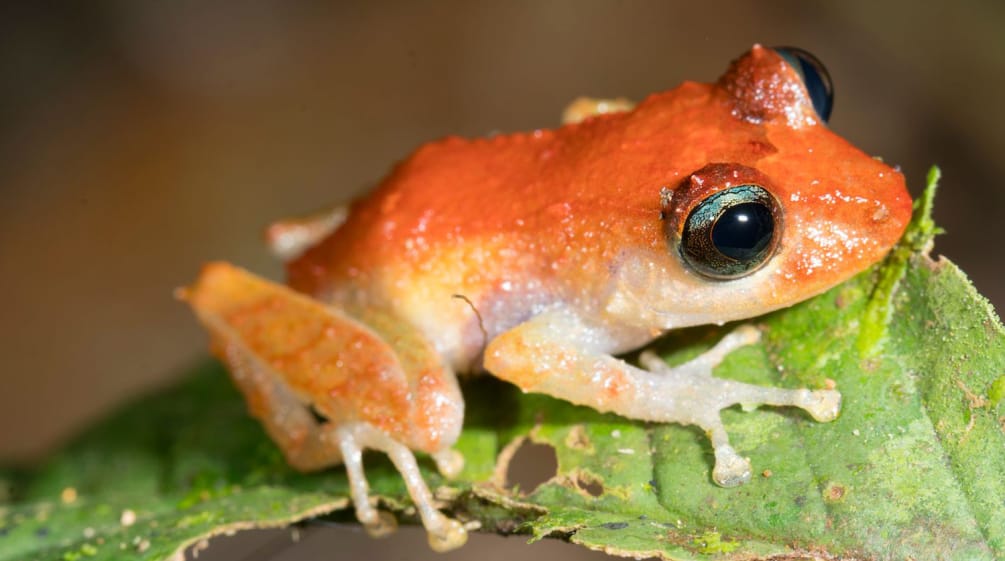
139, 138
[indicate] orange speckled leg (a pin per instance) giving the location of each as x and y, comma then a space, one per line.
286, 419
559, 355
286, 351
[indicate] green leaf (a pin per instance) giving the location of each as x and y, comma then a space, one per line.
913, 468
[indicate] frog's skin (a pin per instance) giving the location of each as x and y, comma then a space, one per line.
536, 257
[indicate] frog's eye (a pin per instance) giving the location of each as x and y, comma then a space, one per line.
731, 233
814, 76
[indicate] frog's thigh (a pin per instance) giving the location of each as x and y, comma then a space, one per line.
386, 375
289, 237
559, 355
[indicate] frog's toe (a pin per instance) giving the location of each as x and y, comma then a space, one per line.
450, 535
745, 334
823, 405
730, 469
450, 462
382, 526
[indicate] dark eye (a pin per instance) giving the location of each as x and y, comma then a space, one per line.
731, 233
815, 78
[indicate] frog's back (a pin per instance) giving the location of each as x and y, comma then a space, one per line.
475, 213
453, 199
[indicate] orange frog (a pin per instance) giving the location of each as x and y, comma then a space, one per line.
539, 256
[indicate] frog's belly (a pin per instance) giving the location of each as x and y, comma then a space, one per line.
460, 317
461, 296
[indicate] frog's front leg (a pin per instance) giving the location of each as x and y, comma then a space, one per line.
560, 355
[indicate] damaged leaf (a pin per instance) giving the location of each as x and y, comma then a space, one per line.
911, 469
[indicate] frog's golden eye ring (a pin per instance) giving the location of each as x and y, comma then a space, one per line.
815, 78
731, 233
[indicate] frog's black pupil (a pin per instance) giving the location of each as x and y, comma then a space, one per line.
731, 233
743, 231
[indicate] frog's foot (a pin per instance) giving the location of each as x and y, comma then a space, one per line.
731, 469
711, 395
444, 533
823, 405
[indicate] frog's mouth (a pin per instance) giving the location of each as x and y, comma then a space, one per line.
663, 294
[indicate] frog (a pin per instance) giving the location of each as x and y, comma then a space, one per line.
540, 258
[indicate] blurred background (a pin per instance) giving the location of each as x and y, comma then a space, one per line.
140, 138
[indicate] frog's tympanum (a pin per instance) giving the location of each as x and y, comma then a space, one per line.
537, 257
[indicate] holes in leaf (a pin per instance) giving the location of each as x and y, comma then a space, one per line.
577, 439
588, 484
528, 466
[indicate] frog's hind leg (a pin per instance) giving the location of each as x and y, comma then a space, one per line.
289, 237
286, 419
285, 351
309, 445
